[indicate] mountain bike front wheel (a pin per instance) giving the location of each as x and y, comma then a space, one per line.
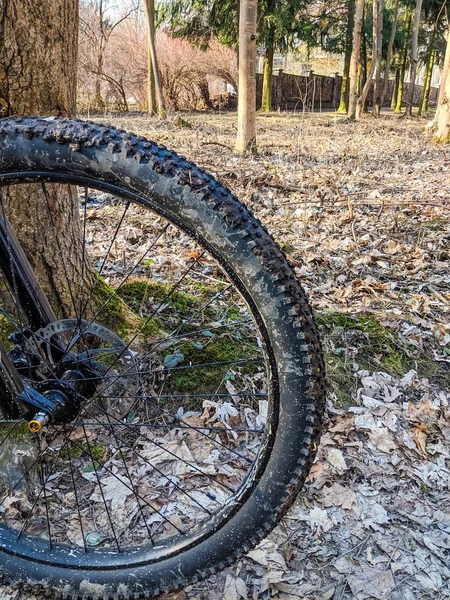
186, 359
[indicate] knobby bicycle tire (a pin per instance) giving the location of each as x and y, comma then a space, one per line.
54, 149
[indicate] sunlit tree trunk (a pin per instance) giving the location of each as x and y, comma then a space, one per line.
362, 99
414, 56
266, 103
354, 62
423, 108
395, 92
149, 8
363, 58
38, 77
151, 95
401, 81
442, 129
377, 75
389, 51
343, 104
246, 135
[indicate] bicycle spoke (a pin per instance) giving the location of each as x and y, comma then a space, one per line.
139, 455
129, 426
108, 470
72, 476
64, 266
119, 225
89, 452
239, 361
171, 426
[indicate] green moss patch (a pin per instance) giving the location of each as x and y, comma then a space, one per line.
120, 315
210, 379
6, 329
363, 341
137, 294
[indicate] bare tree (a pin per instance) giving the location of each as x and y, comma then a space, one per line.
389, 51
149, 8
97, 26
246, 135
379, 51
354, 62
414, 57
375, 56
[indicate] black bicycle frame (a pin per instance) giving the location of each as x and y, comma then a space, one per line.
22, 282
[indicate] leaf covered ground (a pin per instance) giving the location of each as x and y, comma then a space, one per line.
362, 211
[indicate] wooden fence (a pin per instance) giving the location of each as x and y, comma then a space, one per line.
298, 92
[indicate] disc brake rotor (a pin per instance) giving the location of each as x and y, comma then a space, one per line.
119, 392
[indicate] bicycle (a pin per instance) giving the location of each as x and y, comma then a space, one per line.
161, 429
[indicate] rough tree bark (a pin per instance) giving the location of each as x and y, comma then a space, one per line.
414, 56
354, 62
38, 54
389, 51
246, 135
442, 121
149, 8
343, 104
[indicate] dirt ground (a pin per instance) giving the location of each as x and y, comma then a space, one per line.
362, 211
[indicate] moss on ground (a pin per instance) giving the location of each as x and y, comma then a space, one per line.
6, 329
138, 292
207, 290
205, 380
372, 346
120, 316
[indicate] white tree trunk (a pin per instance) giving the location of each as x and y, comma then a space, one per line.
246, 135
354, 61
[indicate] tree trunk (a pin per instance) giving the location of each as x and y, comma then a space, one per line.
246, 135
423, 108
401, 82
354, 62
266, 103
343, 104
363, 64
362, 99
203, 86
38, 54
151, 94
389, 52
442, 130
149, 8
445, 70
377, 78
414, 56
395, 92
98, 100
